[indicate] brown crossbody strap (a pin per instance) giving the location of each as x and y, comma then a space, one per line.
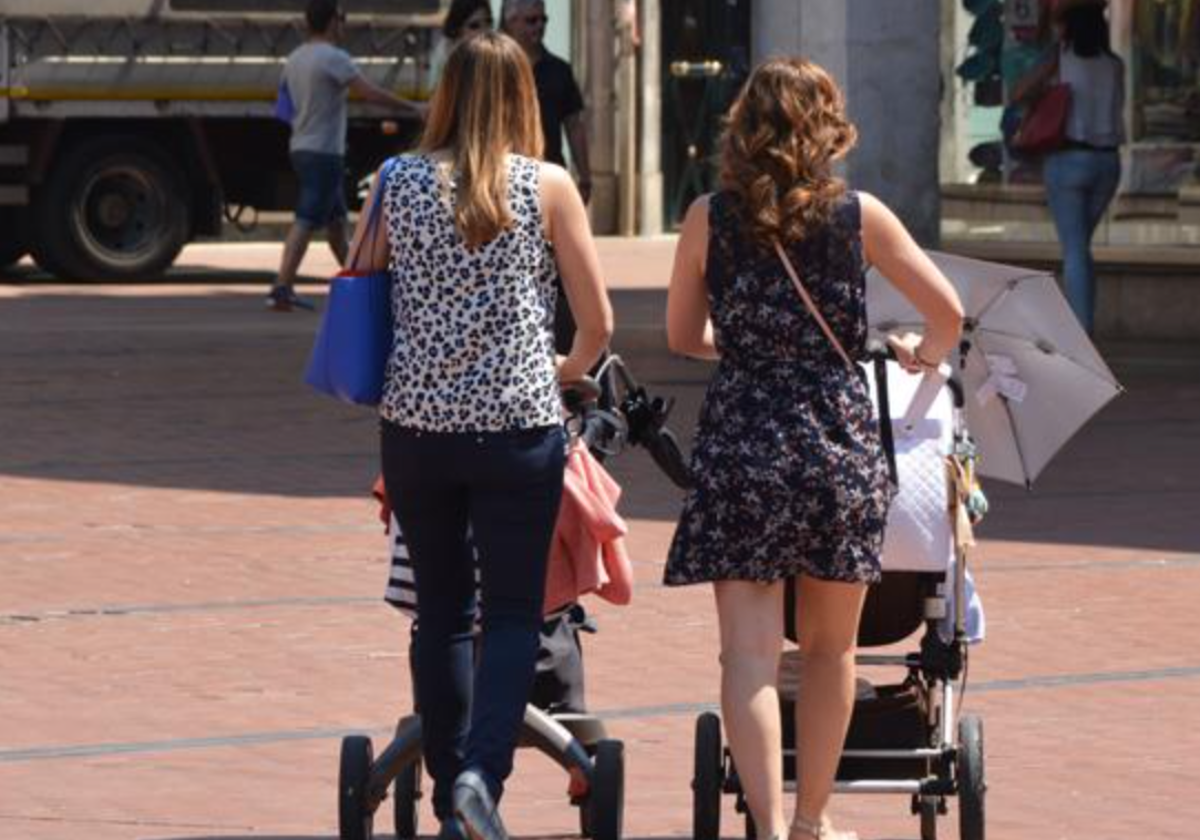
812, 307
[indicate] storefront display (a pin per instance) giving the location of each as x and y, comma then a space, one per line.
1159, 41
1166, 70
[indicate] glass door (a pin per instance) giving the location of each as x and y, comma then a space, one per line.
706, 57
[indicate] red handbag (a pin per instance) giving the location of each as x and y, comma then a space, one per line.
1043, 129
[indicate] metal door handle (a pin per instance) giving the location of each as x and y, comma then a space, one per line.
696, 69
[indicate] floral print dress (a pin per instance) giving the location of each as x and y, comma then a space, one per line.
789, 473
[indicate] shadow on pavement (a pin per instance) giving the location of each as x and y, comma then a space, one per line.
26, 275
201, 388
250, 837
198, 389
1128, 479
384, 833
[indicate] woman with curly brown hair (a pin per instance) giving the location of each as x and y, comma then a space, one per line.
790, 477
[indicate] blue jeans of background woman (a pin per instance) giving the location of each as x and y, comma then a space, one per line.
1080, 184
507, 486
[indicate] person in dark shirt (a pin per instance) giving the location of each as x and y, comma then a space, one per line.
559, 97
561, 104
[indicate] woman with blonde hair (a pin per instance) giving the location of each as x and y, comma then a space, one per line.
791, 485
474, 230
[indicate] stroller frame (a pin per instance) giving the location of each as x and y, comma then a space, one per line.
940, 753
578, 743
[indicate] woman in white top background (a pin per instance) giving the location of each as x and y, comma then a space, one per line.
1081, 178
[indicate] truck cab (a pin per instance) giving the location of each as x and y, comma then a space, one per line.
130, 127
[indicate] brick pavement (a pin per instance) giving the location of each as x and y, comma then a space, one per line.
189, 613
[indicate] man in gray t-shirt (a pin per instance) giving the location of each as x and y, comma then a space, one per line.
317, 75
316, 80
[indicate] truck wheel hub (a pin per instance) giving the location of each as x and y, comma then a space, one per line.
113, 210
119, 211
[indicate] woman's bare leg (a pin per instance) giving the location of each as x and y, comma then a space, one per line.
827, 616
751, 617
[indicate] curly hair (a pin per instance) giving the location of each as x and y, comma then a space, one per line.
782, 136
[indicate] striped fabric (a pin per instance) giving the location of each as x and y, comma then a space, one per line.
401, 593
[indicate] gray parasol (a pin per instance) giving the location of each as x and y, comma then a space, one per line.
1030, 374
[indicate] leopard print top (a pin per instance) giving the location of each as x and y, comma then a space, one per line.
473, 348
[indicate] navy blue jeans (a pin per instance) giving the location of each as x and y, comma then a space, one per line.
321, 178
507, 487
1080, 184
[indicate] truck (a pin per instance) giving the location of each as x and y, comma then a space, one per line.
129, 128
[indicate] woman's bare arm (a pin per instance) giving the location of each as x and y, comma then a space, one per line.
891, 249
568, 229
689, 330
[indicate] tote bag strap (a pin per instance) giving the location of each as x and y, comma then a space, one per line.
374, 213
885, 429
812, 307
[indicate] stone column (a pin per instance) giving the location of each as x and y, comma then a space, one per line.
774, 29
886, 56
650, 176
956, 97
627, 117
601, 113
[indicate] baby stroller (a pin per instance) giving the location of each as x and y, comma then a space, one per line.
905, 737
606, 413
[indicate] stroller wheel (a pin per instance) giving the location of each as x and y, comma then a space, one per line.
605, 806
708, 778
406, 795
928, 810
971, 783
355, 818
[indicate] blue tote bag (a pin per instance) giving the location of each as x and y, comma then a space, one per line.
285, 106
355, 338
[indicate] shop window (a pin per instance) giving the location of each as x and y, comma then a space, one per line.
1166, 70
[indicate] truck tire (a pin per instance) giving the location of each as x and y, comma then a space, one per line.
13, 244
112, 208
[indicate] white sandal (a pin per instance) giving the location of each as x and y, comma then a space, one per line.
818, 831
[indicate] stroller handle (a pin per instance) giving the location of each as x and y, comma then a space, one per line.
878, 351
580, 392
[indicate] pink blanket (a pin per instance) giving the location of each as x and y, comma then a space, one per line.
588, 552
